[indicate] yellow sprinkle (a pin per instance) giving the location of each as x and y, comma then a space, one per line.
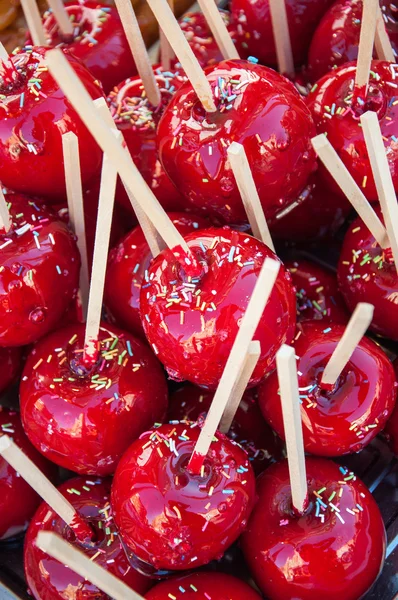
72, 339
364, 181
38, 363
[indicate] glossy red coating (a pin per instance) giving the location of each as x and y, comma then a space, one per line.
192, 325
39, 272
254, 33
248, 428
336, 114
325, 553
336, 38
366, 273
34, 114
391, 429
256, 107
214, 586
171, 519
126, 269
200, 38
98, 40
18, 501
47, 578
137, 119
11, 364
84, 419
317, 293
346, 418
317, 213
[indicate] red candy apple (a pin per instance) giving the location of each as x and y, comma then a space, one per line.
171, 519
98, 40
336, 38
366, 273
347, 417
317, 293
210, 586
39, 272
34, 114
318, 212
191, 323
254, 34
248, 428
18, 501
84, 418
48, 578
127, 265
137, 119
336, 114
334, 550
256, 107
391, 429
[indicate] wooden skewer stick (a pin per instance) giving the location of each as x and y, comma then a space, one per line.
289, 391
384, 49
248, 191
154, 240
218, 28
236, 359
171, 29
366, 44
100, 258
77, 561
74, 194
356, 328
138, 50
251, 359
48, 492
346, 182
61, 15
34, 22
5, 219
382, 177
166, 51
280, 28
78, 96
3, 54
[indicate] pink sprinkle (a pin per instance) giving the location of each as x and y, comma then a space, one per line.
284, 522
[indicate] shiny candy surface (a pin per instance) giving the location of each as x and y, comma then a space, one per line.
345, 418
47, 578
191, 323
335, 550
171, 519
255, 107
214, 586
84, 418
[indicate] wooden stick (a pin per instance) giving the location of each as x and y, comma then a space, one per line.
166, 51
346, 182
3, 54
289, 391
248, 366
5, 219
168, 23
34, 22
154, 240
100, 258
280, 27
74, 193
384, 49
48, 492
61, 15
218, 28
248, 191
138, 50
382, 177
80, 563
76, 93
237, 357
366, 44
356, 328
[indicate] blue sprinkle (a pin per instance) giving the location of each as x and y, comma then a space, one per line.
228, 492
253, 59
129, 350
327, 330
